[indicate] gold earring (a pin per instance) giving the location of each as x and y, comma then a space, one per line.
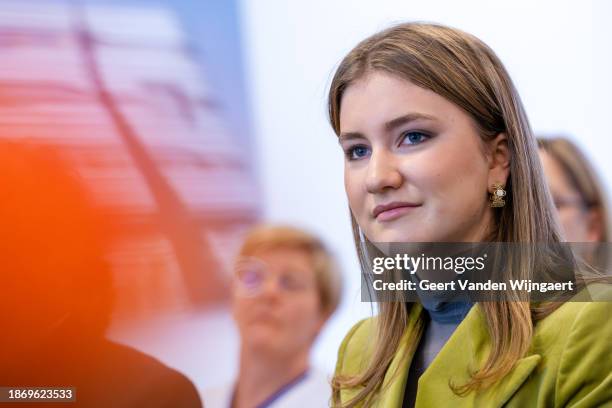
497, 197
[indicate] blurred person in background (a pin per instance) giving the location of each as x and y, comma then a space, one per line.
578, 195
57, 292
285, 287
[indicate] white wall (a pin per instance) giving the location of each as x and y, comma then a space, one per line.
558, 53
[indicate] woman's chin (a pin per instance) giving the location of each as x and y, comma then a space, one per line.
263, 341
385, 241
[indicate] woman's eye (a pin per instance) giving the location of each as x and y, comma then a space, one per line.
414, 137
357, 152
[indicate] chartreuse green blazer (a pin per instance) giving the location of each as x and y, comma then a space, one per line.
569, 363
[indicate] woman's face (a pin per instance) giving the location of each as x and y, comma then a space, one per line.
276, 302
578, 223
416, 169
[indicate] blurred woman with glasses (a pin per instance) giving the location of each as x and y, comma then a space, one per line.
285, 287
576, 191
579, 196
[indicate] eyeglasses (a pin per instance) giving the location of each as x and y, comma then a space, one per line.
252, 275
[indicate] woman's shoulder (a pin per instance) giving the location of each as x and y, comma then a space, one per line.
583, 319
574, 328
592, 306
575, 343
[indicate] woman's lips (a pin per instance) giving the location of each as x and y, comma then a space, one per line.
393, 211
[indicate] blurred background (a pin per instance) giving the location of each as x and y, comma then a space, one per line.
195, 119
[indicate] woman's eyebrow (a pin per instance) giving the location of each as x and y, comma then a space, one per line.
350, 135
389, 126
402, 120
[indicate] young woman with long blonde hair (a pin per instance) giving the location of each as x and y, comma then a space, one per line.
433, 129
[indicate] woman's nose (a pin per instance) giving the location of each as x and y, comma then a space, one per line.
382, 172
271, 288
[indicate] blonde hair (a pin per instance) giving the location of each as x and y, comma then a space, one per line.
272, 237
465, 71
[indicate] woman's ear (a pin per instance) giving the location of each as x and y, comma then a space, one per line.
499, 160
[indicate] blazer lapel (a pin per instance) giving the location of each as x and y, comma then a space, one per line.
500, 393
466, 349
